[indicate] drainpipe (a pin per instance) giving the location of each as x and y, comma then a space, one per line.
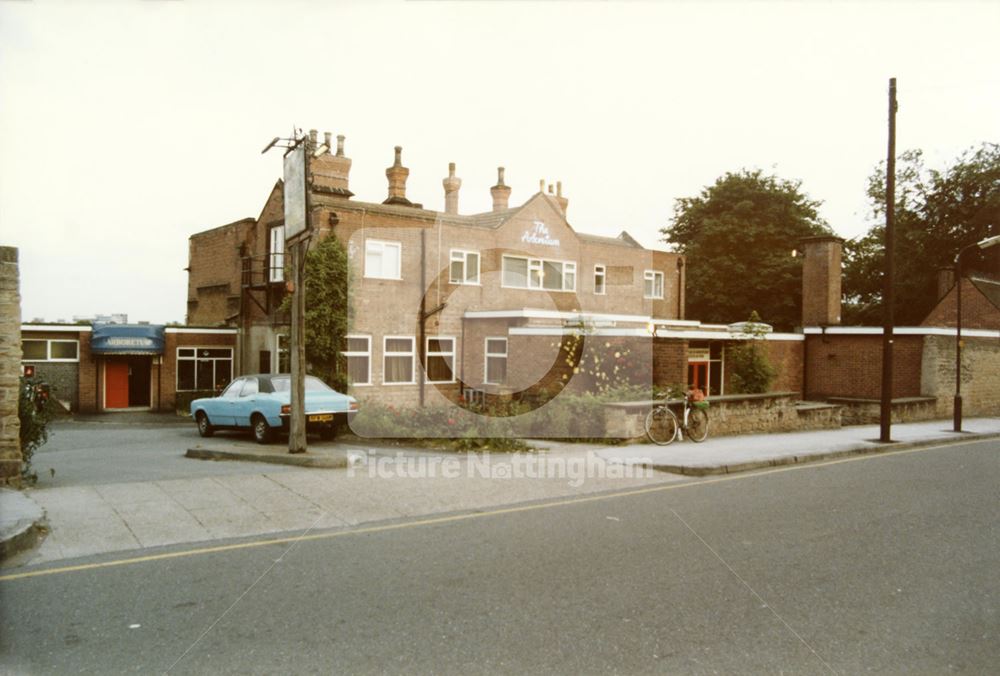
423, 314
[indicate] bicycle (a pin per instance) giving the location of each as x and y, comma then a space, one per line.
662, 425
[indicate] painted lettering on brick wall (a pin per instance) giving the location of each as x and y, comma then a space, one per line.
538, 233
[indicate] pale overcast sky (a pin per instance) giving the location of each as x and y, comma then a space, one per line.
125, 127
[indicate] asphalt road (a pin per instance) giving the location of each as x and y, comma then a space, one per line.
878, 564
88, 453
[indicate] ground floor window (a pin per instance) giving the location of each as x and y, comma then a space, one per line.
496, 361
359, 359
398, 360
440, 360
203, 368
50, 350
284, 362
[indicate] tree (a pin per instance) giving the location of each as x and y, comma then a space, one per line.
750, 370
326, 316
937, 213
738, 235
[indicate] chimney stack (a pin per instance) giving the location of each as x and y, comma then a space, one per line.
500, 192
563, 202
821, 281
331, 172
397, 175
945, 280
451, 186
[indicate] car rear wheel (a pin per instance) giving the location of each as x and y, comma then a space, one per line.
205, 428
262, 432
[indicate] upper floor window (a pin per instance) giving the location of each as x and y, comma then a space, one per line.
653, 286
50, 350
533, 273
464, 267
276, 257
383, 259
600, 278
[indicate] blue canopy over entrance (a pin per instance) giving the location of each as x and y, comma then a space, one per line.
126, 339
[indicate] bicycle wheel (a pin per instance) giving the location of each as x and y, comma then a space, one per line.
697, 427
661, 425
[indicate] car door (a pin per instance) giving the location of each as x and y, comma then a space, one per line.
243, 406
220, 409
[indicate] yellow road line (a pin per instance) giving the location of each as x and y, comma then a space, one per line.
463, 517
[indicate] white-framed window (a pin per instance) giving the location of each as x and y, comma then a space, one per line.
600, 279
398, 359
653, 284
276, 254
495, 365
383, 260
204, 368
463, 267
50, 350
359, 360
536, 273
440, 359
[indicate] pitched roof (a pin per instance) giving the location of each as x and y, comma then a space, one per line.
989, 288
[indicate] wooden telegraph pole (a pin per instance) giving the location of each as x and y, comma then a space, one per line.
885, 418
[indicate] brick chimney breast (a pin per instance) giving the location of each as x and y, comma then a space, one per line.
821, 280
397, 175
451, 186
500, 192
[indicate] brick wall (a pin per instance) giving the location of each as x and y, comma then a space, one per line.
167, 382
977, 311
214, 271
851, 366
89, 387
786, 356
10, 365
670, 362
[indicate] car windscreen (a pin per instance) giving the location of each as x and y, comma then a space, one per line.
313, 384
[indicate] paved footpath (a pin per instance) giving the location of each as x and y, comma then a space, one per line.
130, 516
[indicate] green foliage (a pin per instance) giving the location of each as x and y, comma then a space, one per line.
937, 213
34, 424
750, 371
738, 235
327, 310
601, 365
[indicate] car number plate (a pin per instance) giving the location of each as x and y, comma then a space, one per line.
325, 417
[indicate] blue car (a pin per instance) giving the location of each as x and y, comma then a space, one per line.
262, 404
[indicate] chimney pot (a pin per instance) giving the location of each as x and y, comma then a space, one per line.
563, 202
327, 141
541, 185
399, 157
500, 175
340, 145
313, 134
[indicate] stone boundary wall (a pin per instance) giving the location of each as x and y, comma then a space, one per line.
869, 411
980, 375
734, 414
10, 366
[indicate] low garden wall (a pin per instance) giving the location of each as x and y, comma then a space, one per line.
734, 414
869, 411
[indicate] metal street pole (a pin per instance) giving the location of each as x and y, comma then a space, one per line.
957, 407
885, 414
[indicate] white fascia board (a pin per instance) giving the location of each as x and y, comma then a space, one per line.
529, 313
177, 329
558, 331
900, 331
50, 328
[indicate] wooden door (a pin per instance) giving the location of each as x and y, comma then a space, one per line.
116, 384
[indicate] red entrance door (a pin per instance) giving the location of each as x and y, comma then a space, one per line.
698, 375
116, 384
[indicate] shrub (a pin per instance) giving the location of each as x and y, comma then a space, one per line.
749, 368
34, 420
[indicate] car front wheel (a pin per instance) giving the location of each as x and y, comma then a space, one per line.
205, 428
262, 432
